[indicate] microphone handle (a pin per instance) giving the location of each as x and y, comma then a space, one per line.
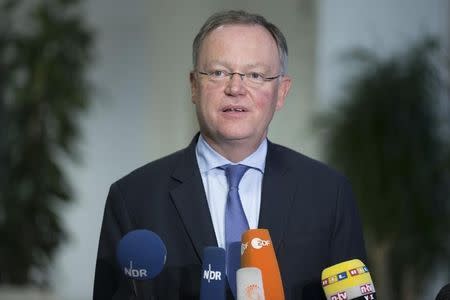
143, 290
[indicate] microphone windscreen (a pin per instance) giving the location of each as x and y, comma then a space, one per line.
348, 280
257, 251
444, 293
213, 277
233, 264
141, 254
249, 284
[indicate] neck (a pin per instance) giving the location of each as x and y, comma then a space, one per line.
234, 150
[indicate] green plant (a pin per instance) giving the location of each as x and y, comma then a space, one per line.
389, 134
44, 51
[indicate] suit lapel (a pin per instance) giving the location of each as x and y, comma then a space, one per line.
189, 198
277, 195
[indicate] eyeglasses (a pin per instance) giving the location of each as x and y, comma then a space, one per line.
250, 78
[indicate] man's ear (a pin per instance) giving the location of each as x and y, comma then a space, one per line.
283, 91
194, 86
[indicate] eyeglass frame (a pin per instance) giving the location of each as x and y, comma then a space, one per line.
242, 75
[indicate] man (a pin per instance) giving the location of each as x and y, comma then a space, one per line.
238, 82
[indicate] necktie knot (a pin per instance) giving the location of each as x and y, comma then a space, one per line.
234, 174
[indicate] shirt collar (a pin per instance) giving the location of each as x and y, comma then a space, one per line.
209, 159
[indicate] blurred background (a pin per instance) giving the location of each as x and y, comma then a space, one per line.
91, 90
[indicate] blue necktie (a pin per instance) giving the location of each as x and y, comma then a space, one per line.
235, 220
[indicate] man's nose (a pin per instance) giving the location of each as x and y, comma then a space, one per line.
236, 84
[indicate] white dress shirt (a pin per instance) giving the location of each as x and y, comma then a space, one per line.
216, 186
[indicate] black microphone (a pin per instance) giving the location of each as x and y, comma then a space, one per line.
444, 293
141, 255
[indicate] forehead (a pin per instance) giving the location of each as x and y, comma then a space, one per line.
239, 42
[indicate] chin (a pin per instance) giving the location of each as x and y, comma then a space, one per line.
237, 136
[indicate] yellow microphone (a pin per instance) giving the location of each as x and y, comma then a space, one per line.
348, 280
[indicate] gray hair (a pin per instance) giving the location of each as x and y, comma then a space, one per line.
245, 18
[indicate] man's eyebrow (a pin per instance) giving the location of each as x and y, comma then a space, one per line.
246, 66
255, 65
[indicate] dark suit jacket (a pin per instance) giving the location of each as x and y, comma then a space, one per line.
308, 208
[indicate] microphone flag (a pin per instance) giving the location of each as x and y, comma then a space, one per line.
141, 254
257, 251
213, 279
348, 280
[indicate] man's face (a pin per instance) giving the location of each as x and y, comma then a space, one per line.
230, 110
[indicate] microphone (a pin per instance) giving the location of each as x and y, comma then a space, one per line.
141, 255
348, 280
213, 274
257, 251
444, 293
249, 284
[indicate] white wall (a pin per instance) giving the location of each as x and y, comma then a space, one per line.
383, 26
115, 134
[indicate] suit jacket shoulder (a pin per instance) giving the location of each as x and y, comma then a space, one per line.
300, 163
167, 197
312, 218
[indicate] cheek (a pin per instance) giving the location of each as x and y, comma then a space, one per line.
266, 101
206, 102
210, 94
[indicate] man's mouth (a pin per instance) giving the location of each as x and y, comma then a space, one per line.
234, 109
